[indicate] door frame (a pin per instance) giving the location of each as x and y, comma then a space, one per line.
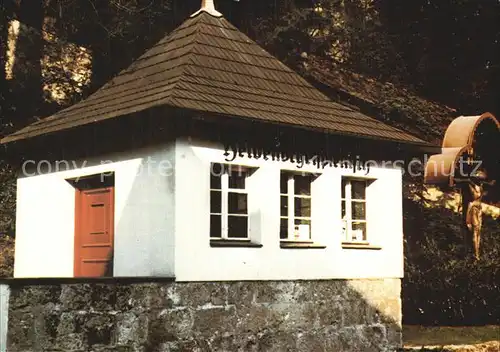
109, 184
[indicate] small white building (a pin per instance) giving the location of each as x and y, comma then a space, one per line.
210, 160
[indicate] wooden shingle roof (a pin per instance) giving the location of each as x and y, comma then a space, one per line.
208, 65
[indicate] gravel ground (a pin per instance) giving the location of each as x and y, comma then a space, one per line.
493, 346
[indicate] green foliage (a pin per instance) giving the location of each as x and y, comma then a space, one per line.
449, 48
7, 198
443, 285
116, 32
6, 256
347, 32
7, 175
5, 15
404, 112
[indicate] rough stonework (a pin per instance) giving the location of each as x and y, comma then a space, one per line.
330, 315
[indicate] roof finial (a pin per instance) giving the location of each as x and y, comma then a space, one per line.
209, 7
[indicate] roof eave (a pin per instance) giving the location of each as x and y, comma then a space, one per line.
421, 147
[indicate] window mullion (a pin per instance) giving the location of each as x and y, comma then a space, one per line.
224, 205
247, 215
291, 206
348, 209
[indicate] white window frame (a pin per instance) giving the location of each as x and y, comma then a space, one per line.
347, 221
290, 194
224, 214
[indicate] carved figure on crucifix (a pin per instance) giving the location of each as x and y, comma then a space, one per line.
474, 213
475, 140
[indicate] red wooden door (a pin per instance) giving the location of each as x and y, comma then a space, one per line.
94, 232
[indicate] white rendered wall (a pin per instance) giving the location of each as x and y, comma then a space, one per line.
144, 215
148, 212
196, 261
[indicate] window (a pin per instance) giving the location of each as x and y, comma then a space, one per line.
354, 210
228, 202
295, 219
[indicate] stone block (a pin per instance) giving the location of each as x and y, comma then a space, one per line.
104, 348
278, 316
103, 297
198, 294
210, 322
67, 324
351, 339
390, 311
51, 321
355, 312
241, 293
98, 329
274, 341
376, 289
191, 345
127, 328
357, 338
252, 319
301, 317
376, 336
33, 295
76, 297
329, 336
164, 327
44, 328
394, 337
225, 342
139, 297
20, 327
310, 341
31, 329
72, 342
178, 323
373, 315
322, 290
274, 292
329, 313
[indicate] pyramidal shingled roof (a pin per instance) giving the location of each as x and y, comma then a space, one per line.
208, 65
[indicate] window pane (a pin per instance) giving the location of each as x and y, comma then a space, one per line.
215, 201
237, 203
215, 174
284, 206
358, 210
302, 185
358, 232
302, 207
237, 179
284, 228
302, 222
237, 226
302, 229
343, 210
358, 189
344, 185
284, 182
215, 226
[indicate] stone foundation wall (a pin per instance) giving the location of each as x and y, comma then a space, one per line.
330, 315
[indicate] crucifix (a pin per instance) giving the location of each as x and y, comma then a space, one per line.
469, 161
